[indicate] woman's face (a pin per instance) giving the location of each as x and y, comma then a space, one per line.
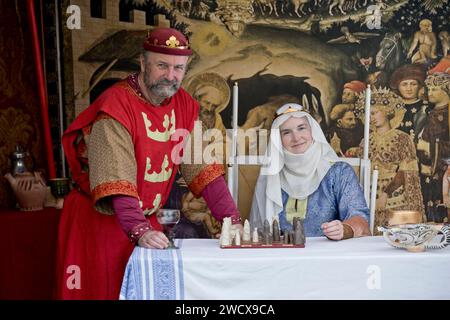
296, 135
377, 116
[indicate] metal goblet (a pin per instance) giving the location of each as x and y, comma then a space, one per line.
168, 218
59, 187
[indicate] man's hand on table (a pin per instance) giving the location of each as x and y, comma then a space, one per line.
153, 239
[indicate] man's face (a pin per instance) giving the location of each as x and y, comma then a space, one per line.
163, 74
348, 96
409, 89
437, 96
348, 121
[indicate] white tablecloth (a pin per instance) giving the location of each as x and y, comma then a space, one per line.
363, 268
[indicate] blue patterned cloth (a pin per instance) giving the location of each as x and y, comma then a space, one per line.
338, 197
154, 275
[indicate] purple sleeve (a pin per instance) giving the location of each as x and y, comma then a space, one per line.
219, 200
128, 212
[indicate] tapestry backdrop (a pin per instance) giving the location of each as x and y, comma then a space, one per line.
20, 122
321, 54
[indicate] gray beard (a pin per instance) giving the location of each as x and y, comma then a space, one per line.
159, 88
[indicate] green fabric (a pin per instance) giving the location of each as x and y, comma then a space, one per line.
293, 210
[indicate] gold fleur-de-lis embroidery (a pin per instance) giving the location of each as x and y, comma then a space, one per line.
172, 42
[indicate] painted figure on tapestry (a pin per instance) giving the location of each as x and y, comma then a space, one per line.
425, 40
434, 147
446, 189
213, 94
348, 129
407, 81
196, 219
351, 91
391, 151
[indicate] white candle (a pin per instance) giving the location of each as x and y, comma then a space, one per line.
234, 123
366, 123
233, 168
373, 199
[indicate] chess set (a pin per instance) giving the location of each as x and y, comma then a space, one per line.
269, 237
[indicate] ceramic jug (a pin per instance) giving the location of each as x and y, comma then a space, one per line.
30, 190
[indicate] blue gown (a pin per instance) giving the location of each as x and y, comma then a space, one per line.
338, 197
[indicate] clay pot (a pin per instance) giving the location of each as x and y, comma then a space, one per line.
30, 190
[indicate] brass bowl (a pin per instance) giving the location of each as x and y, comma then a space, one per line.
59, 186
399, 217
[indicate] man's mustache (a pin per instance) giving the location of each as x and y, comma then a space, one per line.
166, 82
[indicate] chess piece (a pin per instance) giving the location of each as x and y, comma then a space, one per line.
266, 227
225, 236
246, 235
255, 238
267, 237
291, 237
294, 222
286, 236
299, 232
237, 237
276, 231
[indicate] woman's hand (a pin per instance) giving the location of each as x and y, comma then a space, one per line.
333, 230
153, 239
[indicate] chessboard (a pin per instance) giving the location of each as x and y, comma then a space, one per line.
230, 238
260, 245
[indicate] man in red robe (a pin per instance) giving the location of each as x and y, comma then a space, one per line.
123, 152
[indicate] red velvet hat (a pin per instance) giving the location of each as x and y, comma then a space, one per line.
442, 66
355, 85
167, 41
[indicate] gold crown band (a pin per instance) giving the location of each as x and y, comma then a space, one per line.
158, 45
381, 97
289, 110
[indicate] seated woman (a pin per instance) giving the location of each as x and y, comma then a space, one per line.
303, 178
